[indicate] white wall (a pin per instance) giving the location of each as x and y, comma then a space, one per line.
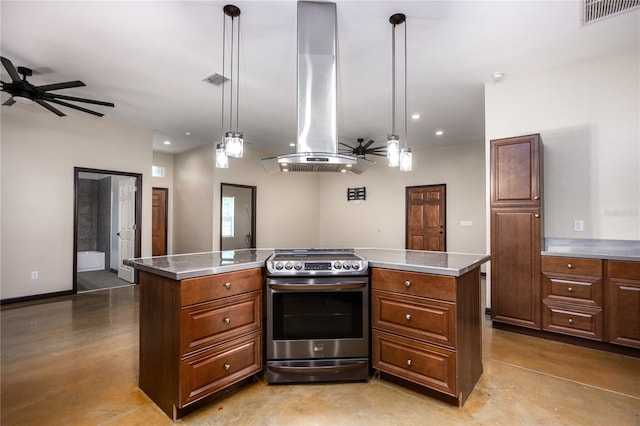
588, 114
38, 154
166, 160
311, 209
380, 220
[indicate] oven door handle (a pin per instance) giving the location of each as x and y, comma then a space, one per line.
317, 287
328, 369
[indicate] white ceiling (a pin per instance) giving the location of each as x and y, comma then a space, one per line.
150, 57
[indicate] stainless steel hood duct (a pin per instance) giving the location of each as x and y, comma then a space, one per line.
317, 146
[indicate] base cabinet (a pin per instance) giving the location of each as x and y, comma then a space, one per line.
624, 295
198, 336
426, 329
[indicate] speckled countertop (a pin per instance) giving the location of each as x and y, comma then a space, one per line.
596, 249
183, 266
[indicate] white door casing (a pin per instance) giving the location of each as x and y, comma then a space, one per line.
126, 226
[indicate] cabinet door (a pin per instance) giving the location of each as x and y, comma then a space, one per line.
624, 303
515, 266
516, 171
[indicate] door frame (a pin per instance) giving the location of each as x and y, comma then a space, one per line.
254, 190
406, 212
138, 204
166, 216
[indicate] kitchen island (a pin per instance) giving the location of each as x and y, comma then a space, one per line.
201, 323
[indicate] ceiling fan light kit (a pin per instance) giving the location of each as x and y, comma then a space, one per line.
24, 92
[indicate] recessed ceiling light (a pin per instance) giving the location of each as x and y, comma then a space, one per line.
439, 132
292, 144
167, 142
415, 116
187, 133
497, 76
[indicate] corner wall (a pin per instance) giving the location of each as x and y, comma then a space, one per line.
38, 154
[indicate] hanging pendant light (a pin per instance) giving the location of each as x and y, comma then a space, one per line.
232, 143
398, 156
222, 161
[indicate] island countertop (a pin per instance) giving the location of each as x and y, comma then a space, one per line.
192, 265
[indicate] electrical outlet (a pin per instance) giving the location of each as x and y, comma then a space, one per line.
578, 225
34, 275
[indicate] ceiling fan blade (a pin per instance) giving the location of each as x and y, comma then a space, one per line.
56, 111
13, 73
68, 105
368, 144
9, 102
58, 86
348, 146
51, 96
375, 153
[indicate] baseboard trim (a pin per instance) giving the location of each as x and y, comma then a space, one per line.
36, 297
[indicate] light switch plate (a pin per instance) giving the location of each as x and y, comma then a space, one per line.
578, 225
466, 223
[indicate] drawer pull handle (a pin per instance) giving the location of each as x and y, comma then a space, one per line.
407, 283
408, 317
409, 362
227, 320
227, 285
569, 265
570, 320
536, 215
536, 197
570, 289
227, 367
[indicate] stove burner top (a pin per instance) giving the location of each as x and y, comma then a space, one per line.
316, 262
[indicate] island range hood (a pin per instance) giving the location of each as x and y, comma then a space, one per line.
317, 146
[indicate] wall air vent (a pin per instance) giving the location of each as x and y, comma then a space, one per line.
216, 79
595, 10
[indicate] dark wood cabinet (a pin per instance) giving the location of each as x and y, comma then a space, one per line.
573, 296
516, 230
198, 336
426, 329
623, 282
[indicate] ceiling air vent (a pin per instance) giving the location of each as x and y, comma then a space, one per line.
216, 79
595, 10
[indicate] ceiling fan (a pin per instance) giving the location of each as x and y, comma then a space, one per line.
362, 150
23, 91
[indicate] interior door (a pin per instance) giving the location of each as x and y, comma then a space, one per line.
426, 227
159, 222
126, 226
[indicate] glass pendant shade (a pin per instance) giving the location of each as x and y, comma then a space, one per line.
405, 160
222, 161
234, 144
393, 150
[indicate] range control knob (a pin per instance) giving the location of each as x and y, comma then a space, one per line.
337, 265
297, 266
288, 266
279, 266
355, 265
346, 265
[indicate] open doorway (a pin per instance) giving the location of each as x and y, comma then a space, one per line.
107, 214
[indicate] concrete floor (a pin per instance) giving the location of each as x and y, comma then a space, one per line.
74, 361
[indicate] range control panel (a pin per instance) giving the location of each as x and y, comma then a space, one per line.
316, 262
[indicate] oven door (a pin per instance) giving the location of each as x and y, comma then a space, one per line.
317, 318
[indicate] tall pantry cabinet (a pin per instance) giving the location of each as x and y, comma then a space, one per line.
516, 230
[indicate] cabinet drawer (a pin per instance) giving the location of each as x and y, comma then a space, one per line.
415, 317
572, 265
574, 320
204, 289
565, 288
624, 269
421, 363
413, 283
208, 372
215, 322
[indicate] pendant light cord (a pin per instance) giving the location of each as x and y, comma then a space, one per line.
224, 45
393, 79
238, 80
232, 77
406, 134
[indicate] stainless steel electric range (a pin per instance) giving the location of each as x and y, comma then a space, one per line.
317, 316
